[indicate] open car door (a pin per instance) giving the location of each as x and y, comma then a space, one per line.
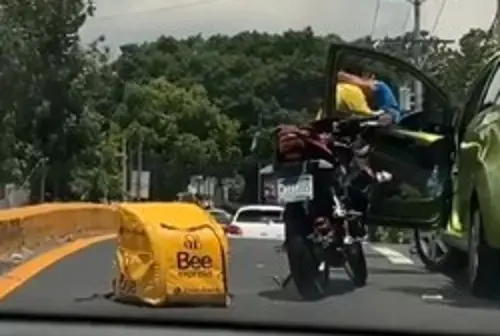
418, 151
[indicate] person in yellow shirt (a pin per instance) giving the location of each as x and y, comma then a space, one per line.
349, 98
378, 92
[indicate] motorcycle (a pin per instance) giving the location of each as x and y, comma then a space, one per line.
323, 183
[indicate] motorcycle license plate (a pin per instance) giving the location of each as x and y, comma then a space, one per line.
295, 189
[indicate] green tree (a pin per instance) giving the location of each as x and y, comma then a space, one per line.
195, 103
182, 132
458, 68
50, 106
275, 77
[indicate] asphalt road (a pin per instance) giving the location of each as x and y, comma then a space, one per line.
400, 294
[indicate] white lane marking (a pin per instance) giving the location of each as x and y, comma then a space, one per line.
394, 257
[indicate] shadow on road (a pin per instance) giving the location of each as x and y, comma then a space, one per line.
289, 293
453, 294
109, 297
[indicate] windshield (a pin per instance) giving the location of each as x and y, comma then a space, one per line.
259, 216
131, 133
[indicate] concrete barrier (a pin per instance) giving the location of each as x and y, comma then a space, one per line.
34, 227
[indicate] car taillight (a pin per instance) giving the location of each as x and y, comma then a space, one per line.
233, 230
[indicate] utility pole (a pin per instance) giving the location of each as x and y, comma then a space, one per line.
139, 168
259, 177
417, 48
124, 169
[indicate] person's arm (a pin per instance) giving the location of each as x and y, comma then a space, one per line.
394, 113
388, 101
355, 80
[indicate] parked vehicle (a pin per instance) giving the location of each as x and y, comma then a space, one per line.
260, 221
224, 219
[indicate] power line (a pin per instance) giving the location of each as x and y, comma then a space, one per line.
438, 17
375, 17
159, 9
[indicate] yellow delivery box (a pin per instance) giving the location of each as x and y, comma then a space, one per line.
169, 254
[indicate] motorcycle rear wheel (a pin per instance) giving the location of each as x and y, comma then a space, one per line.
303, 261
355, 264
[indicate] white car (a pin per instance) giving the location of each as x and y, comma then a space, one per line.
221, 216
260, 221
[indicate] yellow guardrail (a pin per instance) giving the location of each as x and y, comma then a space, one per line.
35, 226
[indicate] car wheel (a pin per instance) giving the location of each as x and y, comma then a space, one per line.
483, 261
435, 254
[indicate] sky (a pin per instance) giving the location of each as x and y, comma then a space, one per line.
124, 21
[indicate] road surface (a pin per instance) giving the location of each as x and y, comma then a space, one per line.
400, 294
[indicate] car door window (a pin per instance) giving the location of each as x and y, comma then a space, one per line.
433, 115
417, 152
485, 92
492, 95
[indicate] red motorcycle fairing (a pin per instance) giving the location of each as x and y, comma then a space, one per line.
303, 143
299, 143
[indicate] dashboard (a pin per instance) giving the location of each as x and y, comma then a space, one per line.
26, 324
89, 329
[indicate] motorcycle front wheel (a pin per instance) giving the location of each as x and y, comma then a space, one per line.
304, 262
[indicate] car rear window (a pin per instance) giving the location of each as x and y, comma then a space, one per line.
259, 216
